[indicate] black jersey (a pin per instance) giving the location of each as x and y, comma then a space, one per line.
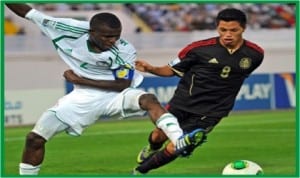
212, 76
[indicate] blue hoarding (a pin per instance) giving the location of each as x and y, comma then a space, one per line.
285, 93
256, 92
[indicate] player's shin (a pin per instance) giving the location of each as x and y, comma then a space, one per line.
159, 159
170, 126
156, 140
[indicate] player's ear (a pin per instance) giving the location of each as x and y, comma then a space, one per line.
244, 28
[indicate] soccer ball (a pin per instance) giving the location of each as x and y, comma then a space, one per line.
242, 167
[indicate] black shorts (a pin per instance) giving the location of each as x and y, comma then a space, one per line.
190, 121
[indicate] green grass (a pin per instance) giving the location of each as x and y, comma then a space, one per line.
109, 148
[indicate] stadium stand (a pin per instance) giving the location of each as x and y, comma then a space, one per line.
188, 17
181, 17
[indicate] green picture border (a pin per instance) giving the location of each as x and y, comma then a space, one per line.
2, 63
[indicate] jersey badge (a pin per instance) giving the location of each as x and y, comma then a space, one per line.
245, 63
174, 62
213, 61
47, 22
122, 73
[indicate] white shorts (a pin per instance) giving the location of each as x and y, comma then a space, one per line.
84, 106
48, 125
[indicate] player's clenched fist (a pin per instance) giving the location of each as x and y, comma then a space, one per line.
71, 76
143, 66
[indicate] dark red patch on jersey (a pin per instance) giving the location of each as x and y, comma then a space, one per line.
184, 51
167, 107
254, 46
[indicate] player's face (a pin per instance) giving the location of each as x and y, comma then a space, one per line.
104, 37
231, 33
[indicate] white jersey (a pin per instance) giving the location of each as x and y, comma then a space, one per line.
70, 36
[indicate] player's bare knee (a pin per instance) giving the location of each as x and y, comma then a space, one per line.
34, 141
146, 100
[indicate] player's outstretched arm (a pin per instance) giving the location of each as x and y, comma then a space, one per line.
143, 66
112, 85
19, 9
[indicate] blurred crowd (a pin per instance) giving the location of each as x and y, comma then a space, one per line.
76, 6
182, 16
192, 16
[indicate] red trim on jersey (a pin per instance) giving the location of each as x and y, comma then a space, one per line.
254, 46
167, 107
193, 45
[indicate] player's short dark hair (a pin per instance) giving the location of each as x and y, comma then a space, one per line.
105, 18
232, 14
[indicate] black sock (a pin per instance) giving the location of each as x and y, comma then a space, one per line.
154, 145
157, 160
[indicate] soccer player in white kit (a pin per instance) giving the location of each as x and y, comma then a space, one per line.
93, 50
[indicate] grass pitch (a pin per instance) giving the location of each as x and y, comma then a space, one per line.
109, 148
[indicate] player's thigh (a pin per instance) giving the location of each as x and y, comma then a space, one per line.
131, 98
127, 103
49, 125
199, 121
189, 121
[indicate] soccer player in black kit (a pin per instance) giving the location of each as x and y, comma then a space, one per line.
212, 72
